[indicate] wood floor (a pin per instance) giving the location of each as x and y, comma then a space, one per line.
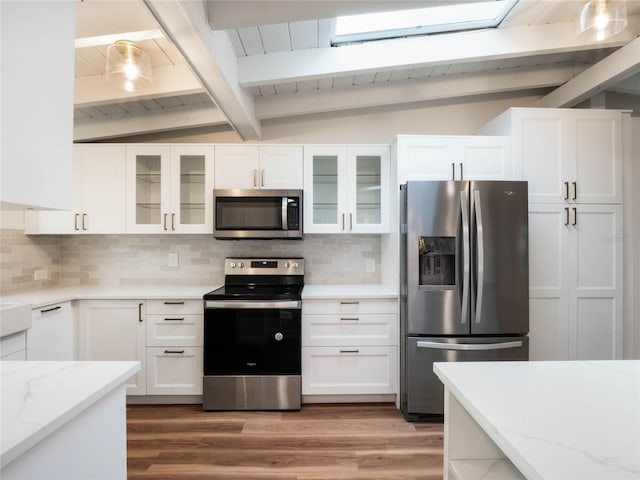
320, 442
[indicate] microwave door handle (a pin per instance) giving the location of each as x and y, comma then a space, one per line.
285, 202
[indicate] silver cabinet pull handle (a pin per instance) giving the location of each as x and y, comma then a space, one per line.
140, 312
349, 351
255, 178
350, 221
47, 310
453, 171
173, 221
343, 221
461, 172
575, 216
174, 351
84, 221
174, 319
349, 302
165, 222
262, 177
75, 221
575, 190
566, 211
566, 190
175, 302
349, 319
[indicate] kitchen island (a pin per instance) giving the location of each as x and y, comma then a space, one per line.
63, 419
542, 420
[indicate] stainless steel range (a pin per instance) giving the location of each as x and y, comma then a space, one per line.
252, 336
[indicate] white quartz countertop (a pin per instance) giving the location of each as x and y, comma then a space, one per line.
39, 397
556, 420
348, 291
41, 298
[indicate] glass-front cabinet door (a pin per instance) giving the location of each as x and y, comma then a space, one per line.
169, 188
346, 189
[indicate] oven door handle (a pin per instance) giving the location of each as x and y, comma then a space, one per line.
251, 304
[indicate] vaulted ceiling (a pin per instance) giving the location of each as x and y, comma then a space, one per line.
237, 63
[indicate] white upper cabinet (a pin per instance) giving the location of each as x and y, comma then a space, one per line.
99, 190
434, 157
566, 155
169, 188
259, 166
346, 189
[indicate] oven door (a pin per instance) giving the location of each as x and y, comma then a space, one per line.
252, 338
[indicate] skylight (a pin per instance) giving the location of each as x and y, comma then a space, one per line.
421, 21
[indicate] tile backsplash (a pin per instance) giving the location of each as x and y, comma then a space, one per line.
116, 260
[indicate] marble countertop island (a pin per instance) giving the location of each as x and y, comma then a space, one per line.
575, 420
40, 398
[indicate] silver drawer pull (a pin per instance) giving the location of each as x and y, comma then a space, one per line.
47, 310
349, 351
174, 351
174, 319
174, 303
349, 302
352, 319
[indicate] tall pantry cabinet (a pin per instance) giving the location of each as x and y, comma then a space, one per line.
572, 159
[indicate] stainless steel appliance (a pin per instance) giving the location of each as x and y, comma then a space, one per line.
252, 336
464, 281
257, 213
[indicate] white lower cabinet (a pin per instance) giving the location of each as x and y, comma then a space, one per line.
114, 330
174, 331
14, 347
52, 333
349, 346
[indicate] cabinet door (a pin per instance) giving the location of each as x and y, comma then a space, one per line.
174, 370
325, 171
549, 234
598, 157
281, 167
52, 335
541, 153
483, 158
192, 189
114, 330
595, 311
237, 166
103, 187
426, 158
349, 370
148, 188
368, 190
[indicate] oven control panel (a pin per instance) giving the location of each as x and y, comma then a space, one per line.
264, 266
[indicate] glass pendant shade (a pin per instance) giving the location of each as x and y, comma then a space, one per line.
128, 67
600, 19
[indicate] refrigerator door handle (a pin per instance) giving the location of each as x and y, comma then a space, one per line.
466, 258
480, 259
468, 346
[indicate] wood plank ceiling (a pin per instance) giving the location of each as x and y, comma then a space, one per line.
214, 65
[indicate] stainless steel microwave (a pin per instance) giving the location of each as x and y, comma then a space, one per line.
257, 213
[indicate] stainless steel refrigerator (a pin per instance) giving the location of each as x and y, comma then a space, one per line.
464, 281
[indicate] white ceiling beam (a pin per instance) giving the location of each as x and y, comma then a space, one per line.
429, 50
153, 121
621, 64
212, 58
168, 81
228, 14
136, 36
409, 91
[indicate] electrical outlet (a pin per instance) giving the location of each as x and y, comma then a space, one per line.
40, 274
371, 265
172, 259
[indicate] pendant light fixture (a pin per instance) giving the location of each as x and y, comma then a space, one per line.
600, 19
128, 66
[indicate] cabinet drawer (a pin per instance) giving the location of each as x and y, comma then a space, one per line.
360, 329
12, 344
349, 370
176, 305
174, 370
175, 330
349, 306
